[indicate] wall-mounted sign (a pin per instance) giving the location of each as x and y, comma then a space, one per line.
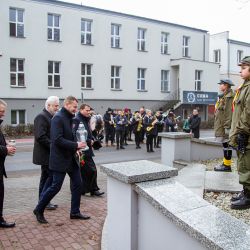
199, 97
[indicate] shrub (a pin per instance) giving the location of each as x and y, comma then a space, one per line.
20, 130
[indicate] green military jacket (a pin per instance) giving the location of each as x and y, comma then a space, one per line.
241, 114
223, 114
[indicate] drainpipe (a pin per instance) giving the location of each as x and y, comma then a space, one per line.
228, 60
204, 48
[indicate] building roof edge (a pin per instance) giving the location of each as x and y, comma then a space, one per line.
73, 5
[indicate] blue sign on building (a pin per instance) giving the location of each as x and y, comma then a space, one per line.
199, 97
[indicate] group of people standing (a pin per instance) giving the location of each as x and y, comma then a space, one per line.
59, 152
121, 124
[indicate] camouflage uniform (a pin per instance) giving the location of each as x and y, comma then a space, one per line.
222, 124
223, 114
239, 135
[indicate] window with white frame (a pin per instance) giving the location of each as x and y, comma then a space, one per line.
86, 31
164, 43
54, 27
198, 75
86, 76
16, 20
115, 35
141, 39
217, 56
164, 80
239, 56
18, 117
115, 77
185, 46
141, 79
17, 72
54, 74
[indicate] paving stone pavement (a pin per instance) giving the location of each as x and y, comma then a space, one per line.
21, 191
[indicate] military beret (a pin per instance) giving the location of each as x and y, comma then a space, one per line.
226, 81
245, 60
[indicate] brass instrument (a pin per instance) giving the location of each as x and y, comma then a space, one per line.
139, 119
149, 128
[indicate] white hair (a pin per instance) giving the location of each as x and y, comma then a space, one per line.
2, 102
51, 100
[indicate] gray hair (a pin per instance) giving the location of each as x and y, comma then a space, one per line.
51, 100
2, 102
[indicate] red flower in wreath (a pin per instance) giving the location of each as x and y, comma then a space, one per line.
82, 161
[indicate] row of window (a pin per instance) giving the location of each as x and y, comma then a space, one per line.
217, 56
17, 78
16, 22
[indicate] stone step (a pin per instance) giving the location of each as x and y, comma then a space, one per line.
222, 182
193, 177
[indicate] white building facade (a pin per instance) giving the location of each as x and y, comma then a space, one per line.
104, 58
228, 53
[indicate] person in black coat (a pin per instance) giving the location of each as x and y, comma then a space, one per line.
41, 150
137, 124
88, 169
108, 119
4, 151
62, 160
120, 122
149, 122
195, 122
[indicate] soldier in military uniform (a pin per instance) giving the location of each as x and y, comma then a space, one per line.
222, 122
239, 135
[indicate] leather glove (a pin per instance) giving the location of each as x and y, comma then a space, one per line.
242, 141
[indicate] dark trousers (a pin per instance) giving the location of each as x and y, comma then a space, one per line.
119, 137
1, 196
142, 134
45, 176
149, 142
57, 181
137, 138
89, 176
109, 135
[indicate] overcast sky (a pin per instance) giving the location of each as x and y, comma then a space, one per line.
212, 15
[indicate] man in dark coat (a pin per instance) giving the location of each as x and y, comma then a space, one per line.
62, 161
41, 150
4, 151
195, 122
108, 119
88, 169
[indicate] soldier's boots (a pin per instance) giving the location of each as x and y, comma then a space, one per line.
237, 196
226, 165
243, 202
223, 168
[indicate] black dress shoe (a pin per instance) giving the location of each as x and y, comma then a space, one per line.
79, 216
97, 193
4, 224
242, 203
121, 147
237, 196
50, 207
223, 168
40, 217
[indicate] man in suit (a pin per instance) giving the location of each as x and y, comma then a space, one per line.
41, 150
62, 161
88, 170
4, 151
